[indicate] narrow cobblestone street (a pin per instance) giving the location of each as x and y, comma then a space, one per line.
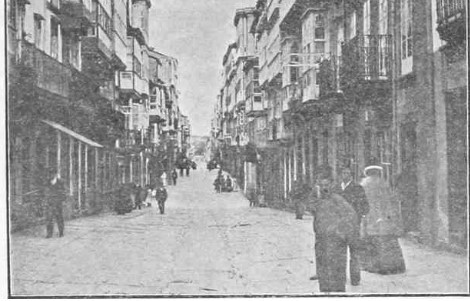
205, 244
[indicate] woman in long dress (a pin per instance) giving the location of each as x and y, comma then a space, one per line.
382, 227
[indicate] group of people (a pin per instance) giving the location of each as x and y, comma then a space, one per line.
186, 165
223, 184
132, 196
127, 198
360, 217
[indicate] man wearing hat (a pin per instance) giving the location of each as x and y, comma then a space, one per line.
161, 195
355, 195
55, 195
333, 217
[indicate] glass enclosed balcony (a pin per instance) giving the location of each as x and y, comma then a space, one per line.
76, 14
51, 75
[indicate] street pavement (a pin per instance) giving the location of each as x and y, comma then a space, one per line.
205, 244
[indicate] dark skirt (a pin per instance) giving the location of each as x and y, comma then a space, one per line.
382, 255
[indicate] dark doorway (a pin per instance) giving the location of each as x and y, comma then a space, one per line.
407, 183
456, 111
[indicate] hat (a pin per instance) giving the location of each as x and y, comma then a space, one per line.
372, 167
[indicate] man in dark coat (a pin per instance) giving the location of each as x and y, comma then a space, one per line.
55, 195
219, 182
299, 196
188, 166
228, 184
174, 176
333, 217
161, 195
355, 195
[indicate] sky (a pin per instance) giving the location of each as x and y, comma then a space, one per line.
197, 33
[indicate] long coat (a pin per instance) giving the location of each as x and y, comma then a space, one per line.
334, 220
355, 195
384, 215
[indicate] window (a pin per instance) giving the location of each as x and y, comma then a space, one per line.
94, 10
38, 31
351, 25
319, 31
383, 17
104, 21
366, 10
12, 13
406, 36
320, 47
142, 19
137, 67
55, 38
71, 51
339, 38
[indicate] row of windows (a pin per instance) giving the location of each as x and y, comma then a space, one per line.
101, 18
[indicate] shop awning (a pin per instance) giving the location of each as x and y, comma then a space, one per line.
72, 133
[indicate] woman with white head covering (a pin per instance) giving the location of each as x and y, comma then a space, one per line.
382, 225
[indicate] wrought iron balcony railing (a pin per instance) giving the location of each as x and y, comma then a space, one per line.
451, 20
447, 10
366, 58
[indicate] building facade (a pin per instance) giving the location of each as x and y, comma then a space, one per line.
353, 83
78, 101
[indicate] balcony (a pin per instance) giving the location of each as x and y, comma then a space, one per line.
97, 56
254, 106
51, 75
133, 84
451, 21
292, 93
75, 15
366, 59
54, 5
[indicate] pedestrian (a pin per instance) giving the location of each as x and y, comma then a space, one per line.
188, 167
154, 194
161, 195
333, 217
219, 182
148, 198
298, 196
382, 226
55, 195
181, 167
355, 195
125, 199
174, 176
253, 197
163, 178
139, 199
228, 184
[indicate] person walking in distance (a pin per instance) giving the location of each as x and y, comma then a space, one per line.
333, 217
161, 194
355, 195
174, 176
55, 195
